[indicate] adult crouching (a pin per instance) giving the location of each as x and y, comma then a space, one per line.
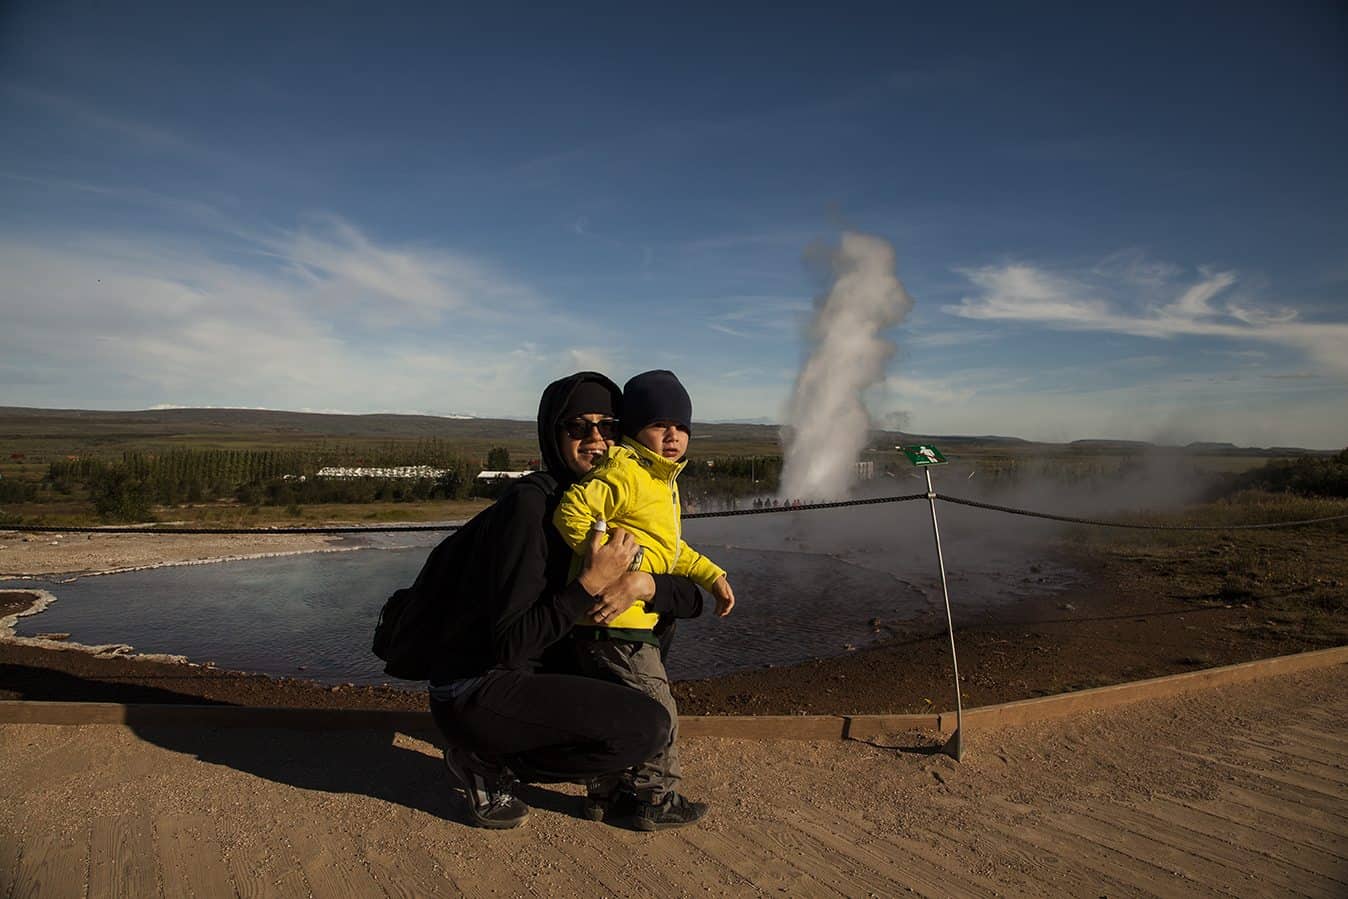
504, 717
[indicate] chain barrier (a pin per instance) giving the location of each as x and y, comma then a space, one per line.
1143, 527
351, 529
727, 513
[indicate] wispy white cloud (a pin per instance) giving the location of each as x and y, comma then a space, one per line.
185, 209
1136, 268
720, 397
144, 134
1246, 355
346, 267
792, 240
946, 338
588, 358
1180, 414
909, 391
760, 317
1025, 293
323, 317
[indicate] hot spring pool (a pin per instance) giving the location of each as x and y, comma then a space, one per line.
804, 590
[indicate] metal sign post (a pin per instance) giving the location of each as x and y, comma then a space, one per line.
925, 456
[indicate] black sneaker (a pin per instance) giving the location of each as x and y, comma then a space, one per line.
487, 789
618, 805
674, 811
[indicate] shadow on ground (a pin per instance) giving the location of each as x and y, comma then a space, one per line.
53, 685
361, 762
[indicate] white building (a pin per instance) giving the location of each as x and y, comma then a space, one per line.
398, 471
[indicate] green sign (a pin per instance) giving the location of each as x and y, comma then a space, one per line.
923, 454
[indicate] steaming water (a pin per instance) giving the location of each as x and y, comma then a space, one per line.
828, 416
807, 585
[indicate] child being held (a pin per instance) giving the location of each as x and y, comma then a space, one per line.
634, 487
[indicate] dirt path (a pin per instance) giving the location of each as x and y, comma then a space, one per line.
68, 553
1234, 791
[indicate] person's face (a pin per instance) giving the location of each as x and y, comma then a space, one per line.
596, 434
664, 437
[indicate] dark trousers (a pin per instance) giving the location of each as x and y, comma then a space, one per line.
550, 728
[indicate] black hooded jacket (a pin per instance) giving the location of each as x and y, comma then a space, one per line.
505, 576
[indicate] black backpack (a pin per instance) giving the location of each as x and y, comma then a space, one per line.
400, 637
410, 631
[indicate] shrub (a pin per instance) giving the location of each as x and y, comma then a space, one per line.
15, 491
1305, 476
118, 495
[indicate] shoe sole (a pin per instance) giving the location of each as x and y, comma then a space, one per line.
647, 827
651, 826
493, 824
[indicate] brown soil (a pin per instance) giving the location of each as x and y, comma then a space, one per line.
1089, 637
15, 601
1150, 604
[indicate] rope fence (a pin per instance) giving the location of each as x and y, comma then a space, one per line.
727, 513
1142, 527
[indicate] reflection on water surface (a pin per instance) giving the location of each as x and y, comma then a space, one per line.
312, 615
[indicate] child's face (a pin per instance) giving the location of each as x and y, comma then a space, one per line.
666, 438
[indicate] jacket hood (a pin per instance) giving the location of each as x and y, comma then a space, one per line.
550, 408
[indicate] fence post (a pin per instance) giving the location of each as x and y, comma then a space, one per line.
954, 747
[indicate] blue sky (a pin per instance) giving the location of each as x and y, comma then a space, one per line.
1125, 223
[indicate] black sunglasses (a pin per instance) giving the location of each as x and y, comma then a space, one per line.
579, 428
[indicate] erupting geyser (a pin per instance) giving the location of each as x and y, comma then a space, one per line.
827, 418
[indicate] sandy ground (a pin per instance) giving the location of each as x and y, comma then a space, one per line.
48, 554
1233, 791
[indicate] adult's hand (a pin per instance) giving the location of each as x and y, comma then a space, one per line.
606, 562
619, 596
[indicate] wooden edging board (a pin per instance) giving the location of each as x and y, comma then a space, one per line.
748, 727
1048, 707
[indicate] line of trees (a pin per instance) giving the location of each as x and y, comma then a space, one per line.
181, 475
130, 487
127, 489
456, 483
720, 479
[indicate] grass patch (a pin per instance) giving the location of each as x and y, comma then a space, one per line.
1298, 576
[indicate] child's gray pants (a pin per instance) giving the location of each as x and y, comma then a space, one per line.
636, 665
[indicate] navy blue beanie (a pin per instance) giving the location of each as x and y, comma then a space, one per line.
655, 396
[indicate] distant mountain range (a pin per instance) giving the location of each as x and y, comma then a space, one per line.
762, 420
167, 406
23, 421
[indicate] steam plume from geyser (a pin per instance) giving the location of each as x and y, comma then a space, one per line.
828, 420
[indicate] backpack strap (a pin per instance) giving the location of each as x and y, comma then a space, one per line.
542, 480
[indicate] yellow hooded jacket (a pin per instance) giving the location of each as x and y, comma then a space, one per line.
635, 488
